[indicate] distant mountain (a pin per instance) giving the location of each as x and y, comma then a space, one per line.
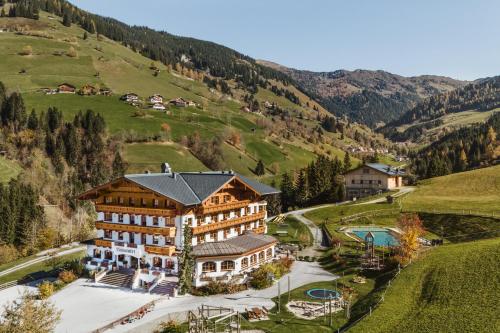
473, 102
369, 97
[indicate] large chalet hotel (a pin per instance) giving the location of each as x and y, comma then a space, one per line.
141, 220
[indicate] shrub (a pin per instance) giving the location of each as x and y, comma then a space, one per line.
67, 276
169, 327
72, 52
261, 276
75, 266
45, 289
306, 258
26, 51
8, 253
217, 287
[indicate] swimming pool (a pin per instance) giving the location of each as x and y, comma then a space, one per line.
383, 237
318, 293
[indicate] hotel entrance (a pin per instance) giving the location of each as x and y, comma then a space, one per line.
134, 262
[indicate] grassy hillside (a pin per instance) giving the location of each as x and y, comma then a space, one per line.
8, 169
434, 129
454, 288
105, 63
477, 190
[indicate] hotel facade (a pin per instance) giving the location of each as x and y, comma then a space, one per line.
141, 220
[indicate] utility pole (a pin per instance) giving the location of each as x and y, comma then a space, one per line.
279, 297
288, 287
331, 318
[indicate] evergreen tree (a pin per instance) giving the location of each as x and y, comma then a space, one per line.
347, 162
67, 19
118, 166
33, 121
301, 189
186, 262
287, 192
259, 169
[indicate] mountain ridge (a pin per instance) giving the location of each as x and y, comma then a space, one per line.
371, 97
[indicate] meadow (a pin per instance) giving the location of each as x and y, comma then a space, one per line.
8, 169
453, 288
476, 191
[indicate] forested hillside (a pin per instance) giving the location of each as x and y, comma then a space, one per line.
368, 97
482, 96
216, 60
464, 149
61, 143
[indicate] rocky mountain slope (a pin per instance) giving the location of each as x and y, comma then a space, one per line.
369, 97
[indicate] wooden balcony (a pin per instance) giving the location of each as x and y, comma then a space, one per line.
228, 223
168, 250
164, 231
135, 210
224, 206
102, 242
259, 230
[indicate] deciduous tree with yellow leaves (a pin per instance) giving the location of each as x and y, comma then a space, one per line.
411, 229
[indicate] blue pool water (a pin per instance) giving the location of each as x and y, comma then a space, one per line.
382, 236
322, 293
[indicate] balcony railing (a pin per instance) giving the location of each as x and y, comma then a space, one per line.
224, 206
161, 250
228, 223
135, 210
259, 230
164, 231
102, 242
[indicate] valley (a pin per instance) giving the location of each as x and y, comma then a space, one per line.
173, 184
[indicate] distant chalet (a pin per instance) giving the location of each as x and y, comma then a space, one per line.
372, 178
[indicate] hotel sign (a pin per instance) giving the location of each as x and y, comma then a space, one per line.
130, 251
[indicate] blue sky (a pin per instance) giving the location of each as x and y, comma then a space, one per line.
460, 38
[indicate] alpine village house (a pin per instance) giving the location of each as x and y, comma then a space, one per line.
141, 220
372, 178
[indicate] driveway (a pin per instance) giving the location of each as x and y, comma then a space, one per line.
176, 308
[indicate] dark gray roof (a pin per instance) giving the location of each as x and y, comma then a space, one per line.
263, 189
233, 246
191, 188
387, 169
204, 184
170, 185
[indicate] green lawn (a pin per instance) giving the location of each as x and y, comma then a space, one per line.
145, 156
8, 169
298, 232
38, 268
476, 191
454, 288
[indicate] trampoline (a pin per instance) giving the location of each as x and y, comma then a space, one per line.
318, 293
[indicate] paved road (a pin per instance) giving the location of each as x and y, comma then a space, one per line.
176, 308
43, 257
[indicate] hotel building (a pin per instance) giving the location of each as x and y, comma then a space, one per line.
141, 220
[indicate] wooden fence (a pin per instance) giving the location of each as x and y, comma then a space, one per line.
8, 284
